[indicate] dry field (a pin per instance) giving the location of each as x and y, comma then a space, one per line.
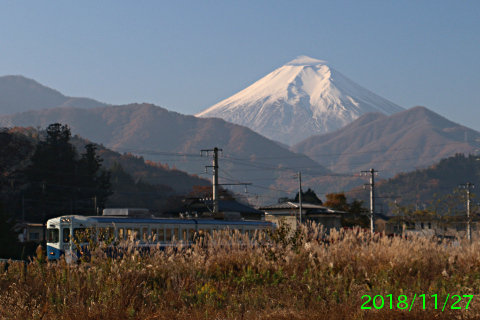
228, 277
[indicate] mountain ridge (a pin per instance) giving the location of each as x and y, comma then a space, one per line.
19, 93
417, 136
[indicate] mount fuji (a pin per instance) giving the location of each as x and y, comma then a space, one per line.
305, 97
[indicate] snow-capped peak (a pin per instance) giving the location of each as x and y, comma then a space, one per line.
305, 61
302, 98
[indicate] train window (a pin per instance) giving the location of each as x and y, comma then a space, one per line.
52, 235
145, 233
79, 234
136, 233
129, 235
154, 235
161, 235
169, 235
66, 234
184, 234
121, 234
176, 234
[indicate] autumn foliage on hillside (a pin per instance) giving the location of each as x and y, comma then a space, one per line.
424, 185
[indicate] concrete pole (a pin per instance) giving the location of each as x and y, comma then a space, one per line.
300, 194
469, 233
215, 179
468, 186
372, 199
215, 176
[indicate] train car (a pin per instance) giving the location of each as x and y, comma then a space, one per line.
147, 231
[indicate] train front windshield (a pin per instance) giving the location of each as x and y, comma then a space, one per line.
53, 235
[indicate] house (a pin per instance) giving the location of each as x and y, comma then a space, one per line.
387, 225
290, 212
30, 232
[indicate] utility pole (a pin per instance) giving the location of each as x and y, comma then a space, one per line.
299, 176
372, 195
403, 219
215, 175
468, 186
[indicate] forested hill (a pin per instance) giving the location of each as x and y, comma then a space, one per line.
150, 172
420, 186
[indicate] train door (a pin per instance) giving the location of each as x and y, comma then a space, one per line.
66, 231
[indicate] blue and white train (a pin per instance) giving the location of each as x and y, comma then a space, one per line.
130, 226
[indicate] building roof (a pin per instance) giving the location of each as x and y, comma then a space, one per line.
296, 205
231, 206
29, 224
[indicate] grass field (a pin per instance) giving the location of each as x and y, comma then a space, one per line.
230, 277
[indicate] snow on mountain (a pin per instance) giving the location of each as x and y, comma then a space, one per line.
300, 99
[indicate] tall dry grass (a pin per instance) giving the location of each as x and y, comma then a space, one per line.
232, 277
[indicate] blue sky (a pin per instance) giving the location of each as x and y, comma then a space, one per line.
188, 55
